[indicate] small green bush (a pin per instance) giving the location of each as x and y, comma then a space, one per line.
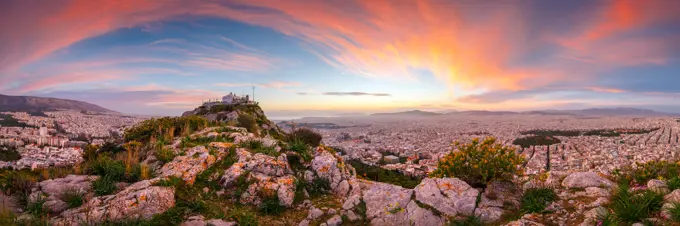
36, 207
319, 186
300, 147
248, 121
673, 183
631, 207
105, 185
479, 163
106, 166
535, 200
271, 151
18, 184
270, 205
308, 136
164, 155
242, 183
647, 171
72, 197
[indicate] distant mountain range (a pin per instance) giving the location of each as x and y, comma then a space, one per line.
33, 104
622, 111
414, 113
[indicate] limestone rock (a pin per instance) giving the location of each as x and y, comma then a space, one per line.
586, 179
450, 196
421, 216
595, 192
53, 189
140, 200
658, 186
332, 168
314, 213
523, 222
386, 204
188, 166
505, 192
673, 196
334, 221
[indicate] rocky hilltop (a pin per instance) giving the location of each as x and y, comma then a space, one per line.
217, 168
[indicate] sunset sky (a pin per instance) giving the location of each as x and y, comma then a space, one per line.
328, 57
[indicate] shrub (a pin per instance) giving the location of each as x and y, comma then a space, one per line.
376, 173
308, 136
242, 183
18, 184
535, 200
270, 203
166, 128
247, 121
674, 212
72, 197
170, 182
105, 185
8, 154
647, 171
318, 186
106, 166
36, 206
630, 207
164, 155
300, 147
673, 183
478, 163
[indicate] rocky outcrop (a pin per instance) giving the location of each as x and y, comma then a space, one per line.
140, 200
330, 167
586, 179
266, 173
189, 165
52, 190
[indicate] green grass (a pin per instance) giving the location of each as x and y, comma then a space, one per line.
36, 207
302, 148
270, 205
535, 200
72, 197
271, 151
105, 185
630, 207
673, 183
242, 184
165, 155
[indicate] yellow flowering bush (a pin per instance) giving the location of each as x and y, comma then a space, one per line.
480, 162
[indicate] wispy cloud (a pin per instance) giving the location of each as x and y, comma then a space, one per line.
274, 84
356, 94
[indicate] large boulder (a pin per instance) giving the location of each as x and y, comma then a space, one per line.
140, 200
52, 190
450, 196
386, 204
283, 187
189, 165
586, 179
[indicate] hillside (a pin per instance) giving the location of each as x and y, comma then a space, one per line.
30, 104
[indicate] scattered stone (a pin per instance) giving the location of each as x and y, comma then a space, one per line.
673, 196
188, 166
334, 221
586, 179
450, 196
314, 213
658, 186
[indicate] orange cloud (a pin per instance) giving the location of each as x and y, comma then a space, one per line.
469, 45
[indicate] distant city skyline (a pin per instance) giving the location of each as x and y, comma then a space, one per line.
322, 58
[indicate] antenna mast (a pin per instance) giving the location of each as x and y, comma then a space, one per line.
253, 94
